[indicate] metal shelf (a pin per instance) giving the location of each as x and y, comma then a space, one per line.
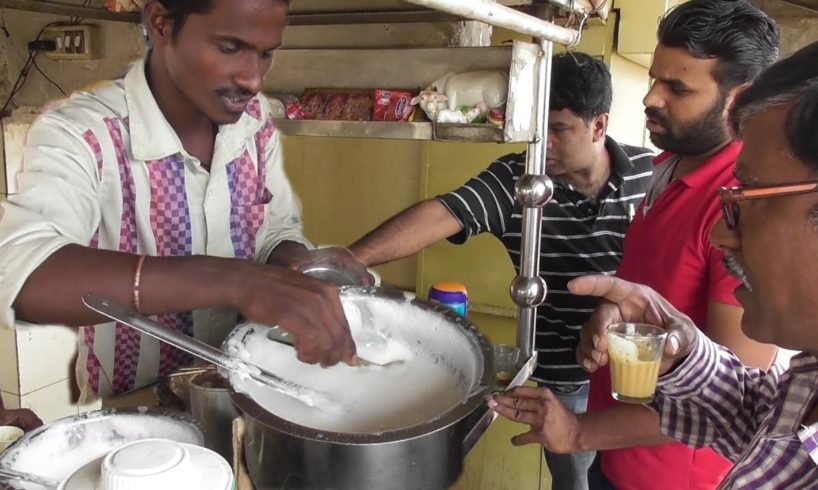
70, 10
422, 131
295, 18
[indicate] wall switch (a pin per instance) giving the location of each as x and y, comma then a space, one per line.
74, 42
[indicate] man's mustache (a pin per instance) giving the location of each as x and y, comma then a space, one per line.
235, 93
656, 116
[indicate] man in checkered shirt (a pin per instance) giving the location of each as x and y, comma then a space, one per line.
178, 162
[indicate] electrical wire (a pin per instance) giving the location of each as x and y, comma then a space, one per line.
30, 63
3, 22
37, 67
18, 84
77, 20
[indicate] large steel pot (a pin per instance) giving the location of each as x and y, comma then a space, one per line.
283, 455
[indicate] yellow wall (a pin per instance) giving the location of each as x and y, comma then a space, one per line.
630, 84
349, 186
482, 264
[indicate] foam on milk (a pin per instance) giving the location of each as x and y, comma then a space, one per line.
623, 347
366, 399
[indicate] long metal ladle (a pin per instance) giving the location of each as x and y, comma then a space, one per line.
204, 351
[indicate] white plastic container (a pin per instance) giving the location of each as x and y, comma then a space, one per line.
152, 464
8, 435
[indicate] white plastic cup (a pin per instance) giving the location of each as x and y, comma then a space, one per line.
153, 464
9, 434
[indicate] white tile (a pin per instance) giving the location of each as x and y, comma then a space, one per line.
45, 354
10, 400
52, 402
8, 361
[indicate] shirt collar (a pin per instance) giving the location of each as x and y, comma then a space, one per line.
804, 361
152, 136
711, 168
621, 163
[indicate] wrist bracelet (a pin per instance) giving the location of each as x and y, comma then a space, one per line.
136, 280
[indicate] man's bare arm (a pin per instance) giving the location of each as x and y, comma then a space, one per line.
564, 432
267, 294
406, 233
620, 427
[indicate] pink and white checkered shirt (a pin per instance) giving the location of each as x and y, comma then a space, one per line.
105, 169
752, 418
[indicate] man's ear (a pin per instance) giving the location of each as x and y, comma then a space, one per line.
157, 23
599, 126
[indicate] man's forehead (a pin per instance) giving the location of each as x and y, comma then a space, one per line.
672, 63
561, 114
259, 23
765, 144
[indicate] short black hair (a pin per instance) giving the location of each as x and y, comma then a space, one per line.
794, 81
742, 37
179, 10
581, 84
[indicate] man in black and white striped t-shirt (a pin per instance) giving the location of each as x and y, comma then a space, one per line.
598, 184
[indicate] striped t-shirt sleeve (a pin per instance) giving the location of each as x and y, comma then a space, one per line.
712, 399
485, 203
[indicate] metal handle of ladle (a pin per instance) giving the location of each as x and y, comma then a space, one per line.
157, 331
15, 475
198, 348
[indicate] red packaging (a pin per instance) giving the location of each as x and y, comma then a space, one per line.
392, 105
358, 107
312, 104
337, 104
123, 5
293, 109
334, 110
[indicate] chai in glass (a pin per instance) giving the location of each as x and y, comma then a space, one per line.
635, 354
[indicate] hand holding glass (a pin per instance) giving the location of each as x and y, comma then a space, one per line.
635, 354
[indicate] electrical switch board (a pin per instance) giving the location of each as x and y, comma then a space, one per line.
74, 42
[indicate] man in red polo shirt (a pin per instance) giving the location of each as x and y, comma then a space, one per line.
708, 50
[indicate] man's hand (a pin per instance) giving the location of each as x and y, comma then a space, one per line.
624, 301
22, 418
298, 257
552, 425
308, 308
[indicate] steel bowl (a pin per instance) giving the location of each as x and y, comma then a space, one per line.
57, 449
281, 454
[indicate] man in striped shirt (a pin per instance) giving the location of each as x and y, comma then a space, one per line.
765, 422
598, 185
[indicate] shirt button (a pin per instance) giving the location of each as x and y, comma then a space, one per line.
209, 193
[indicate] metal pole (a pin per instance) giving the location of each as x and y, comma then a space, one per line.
534, 189
493, 13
